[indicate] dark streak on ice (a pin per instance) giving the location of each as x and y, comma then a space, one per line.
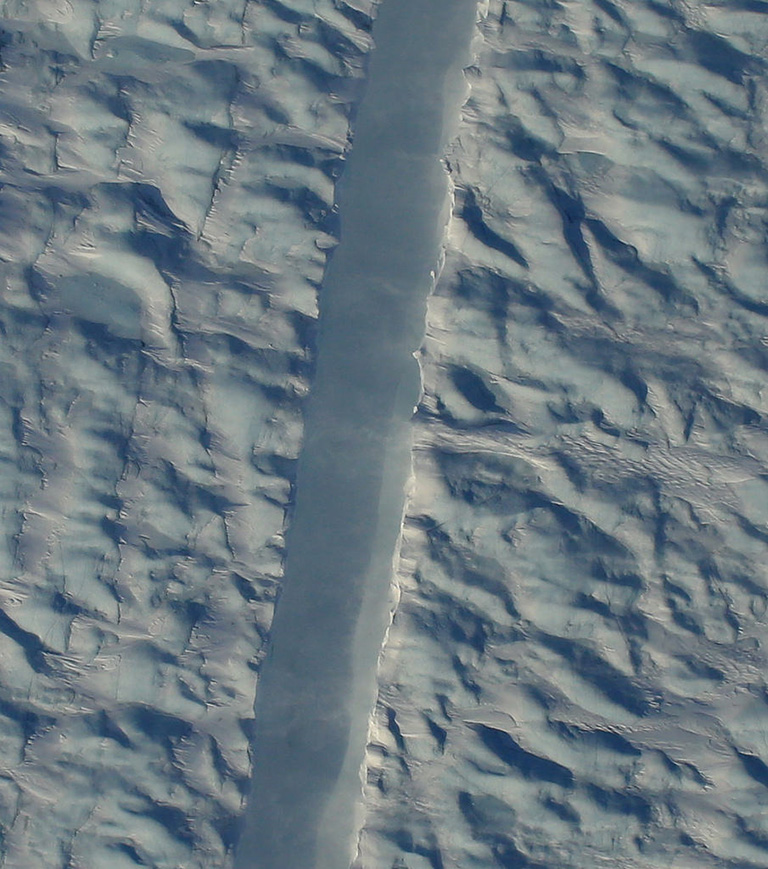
318, 680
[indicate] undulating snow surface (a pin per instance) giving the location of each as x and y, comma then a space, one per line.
575, 674
168, 175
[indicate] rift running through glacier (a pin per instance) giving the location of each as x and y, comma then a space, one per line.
317, 684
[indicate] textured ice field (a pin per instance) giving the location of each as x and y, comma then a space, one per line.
168, 177
574, 676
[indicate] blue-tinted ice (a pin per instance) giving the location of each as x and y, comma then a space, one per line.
318, 681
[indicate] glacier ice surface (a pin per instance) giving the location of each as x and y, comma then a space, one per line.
166, 211
575, 672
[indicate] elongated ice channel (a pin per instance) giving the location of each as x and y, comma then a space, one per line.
318, 681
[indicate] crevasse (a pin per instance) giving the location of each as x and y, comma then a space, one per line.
318, 681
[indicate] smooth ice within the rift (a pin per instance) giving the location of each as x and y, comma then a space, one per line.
318, 681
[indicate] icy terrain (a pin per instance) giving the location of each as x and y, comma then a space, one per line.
575, 674
168, 176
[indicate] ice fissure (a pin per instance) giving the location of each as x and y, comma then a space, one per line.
318, 681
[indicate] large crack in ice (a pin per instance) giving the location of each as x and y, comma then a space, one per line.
318, 681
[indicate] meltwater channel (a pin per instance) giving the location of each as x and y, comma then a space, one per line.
317, 686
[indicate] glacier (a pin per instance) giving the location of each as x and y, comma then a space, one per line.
575, 673
166, 212
574, 599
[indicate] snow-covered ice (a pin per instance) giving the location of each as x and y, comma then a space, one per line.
574, 673
168, 175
